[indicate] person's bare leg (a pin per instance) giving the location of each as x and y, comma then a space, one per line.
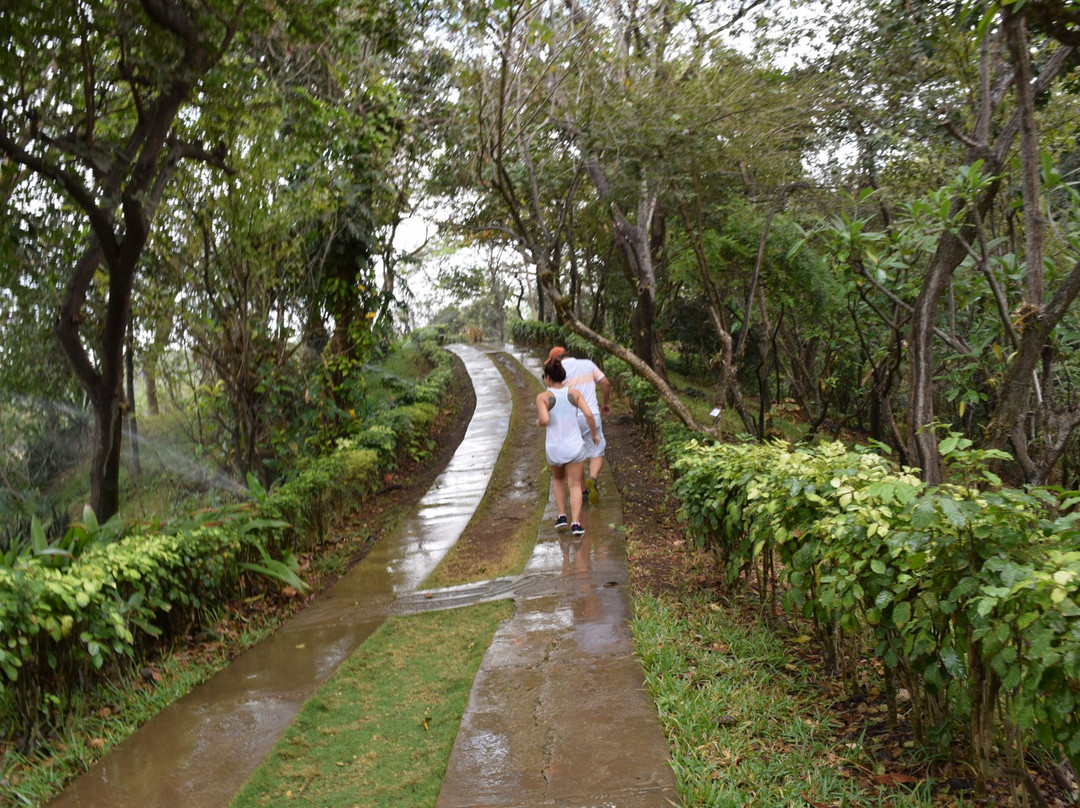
594, 466
558, 485
575, 477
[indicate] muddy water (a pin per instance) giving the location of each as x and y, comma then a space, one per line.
198, 752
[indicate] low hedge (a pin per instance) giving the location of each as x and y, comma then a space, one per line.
57, 625
63, 617
315, 494
966, 599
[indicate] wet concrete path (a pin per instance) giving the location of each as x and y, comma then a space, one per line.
199, 751
558, 714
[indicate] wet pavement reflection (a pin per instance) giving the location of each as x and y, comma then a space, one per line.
198, 752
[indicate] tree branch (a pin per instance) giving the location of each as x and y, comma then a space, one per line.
100, 220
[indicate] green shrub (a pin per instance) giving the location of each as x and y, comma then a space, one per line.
962, 595
60, 625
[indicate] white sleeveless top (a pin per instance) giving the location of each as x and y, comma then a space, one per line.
564, 444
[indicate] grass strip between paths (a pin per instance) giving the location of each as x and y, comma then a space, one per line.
379, 732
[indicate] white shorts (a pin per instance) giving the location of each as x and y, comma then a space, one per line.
578, 458
592, 449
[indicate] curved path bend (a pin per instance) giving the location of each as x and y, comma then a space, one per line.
558, 714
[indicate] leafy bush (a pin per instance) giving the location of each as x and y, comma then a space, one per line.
963, 596
381, 439
61, 624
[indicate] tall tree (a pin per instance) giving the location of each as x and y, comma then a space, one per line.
993, 144
942, 95
612, 103
92, 101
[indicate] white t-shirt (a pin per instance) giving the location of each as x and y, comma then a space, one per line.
583, 374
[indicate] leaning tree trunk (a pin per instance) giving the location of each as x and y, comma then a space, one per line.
545, 276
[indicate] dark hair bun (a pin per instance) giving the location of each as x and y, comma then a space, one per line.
554, 370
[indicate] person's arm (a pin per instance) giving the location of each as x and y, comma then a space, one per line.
605, 389
583, 405
543, 416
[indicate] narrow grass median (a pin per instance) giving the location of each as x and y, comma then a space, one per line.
380, 731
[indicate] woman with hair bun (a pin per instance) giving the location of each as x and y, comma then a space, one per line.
557, 409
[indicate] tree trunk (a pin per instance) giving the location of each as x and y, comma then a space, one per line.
635, 243
948, 256
133, 423
921, 438
641, 331
1035, 327
153, 406
1036, 321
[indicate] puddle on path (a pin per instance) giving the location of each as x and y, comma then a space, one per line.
199, 751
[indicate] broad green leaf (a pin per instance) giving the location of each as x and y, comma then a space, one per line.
901, 614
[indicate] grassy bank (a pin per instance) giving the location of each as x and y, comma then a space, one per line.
745, 720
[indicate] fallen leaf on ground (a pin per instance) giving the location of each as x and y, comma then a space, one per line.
894, 777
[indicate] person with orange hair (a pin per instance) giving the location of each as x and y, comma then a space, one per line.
558, 409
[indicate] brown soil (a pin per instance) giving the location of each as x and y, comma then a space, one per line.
657, 554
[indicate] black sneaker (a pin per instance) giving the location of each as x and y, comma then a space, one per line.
592, 490
560, 520
577, 529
